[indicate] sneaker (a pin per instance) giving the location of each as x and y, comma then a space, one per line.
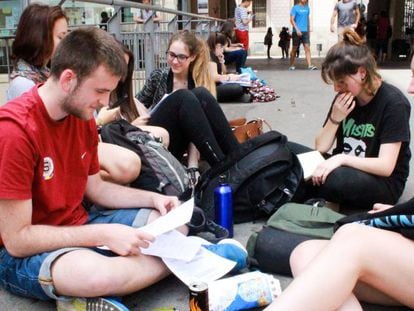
291, 68
90, 304
312, 67
231, 250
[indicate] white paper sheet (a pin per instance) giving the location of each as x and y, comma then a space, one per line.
205, 267
173, 219
309, 161
173, 245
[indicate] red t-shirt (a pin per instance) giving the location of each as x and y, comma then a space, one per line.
45, 160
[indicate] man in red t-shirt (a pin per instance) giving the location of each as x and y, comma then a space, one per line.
48, 162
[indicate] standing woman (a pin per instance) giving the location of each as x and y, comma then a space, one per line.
368, 127
31, 52
190, 113
268, 40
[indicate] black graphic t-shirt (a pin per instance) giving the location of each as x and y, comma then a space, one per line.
385, 119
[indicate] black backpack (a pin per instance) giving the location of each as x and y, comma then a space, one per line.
160, 170
263, 174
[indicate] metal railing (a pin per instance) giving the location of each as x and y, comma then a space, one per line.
148, 41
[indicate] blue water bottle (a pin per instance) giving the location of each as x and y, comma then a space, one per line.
223, 203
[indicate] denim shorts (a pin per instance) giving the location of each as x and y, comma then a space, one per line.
31, 276
296, 40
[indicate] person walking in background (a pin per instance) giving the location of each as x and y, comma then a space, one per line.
299, 18
384, 34
104, 20
268, 40
348, 16
142, 15
243, 18
371, 32
284, 42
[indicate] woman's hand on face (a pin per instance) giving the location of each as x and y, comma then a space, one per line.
325, 168
342, 106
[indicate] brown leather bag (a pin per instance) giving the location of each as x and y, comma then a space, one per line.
244, 130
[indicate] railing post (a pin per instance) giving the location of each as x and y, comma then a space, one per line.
187, 23
149, 36
114, 24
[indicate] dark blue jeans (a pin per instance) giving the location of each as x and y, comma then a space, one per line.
238, 57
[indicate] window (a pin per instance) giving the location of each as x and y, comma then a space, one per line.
409, 17
259, 9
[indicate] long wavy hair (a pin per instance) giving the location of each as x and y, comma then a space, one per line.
199, 66
346, 57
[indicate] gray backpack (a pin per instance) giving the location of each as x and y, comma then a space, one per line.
160, 170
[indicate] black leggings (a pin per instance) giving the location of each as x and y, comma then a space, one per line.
350, 187
195, 116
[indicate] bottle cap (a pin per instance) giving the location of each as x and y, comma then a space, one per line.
222, 179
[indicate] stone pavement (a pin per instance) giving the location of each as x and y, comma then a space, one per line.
298, 113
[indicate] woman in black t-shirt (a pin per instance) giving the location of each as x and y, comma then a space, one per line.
368, 129
361, 263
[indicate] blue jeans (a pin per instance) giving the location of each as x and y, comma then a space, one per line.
31, 276
238, 57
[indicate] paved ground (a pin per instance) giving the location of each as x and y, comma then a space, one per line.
298, 113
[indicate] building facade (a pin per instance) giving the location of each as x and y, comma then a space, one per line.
276, 14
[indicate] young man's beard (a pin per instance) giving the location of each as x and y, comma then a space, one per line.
69, 107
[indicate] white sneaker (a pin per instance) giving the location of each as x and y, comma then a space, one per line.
291, 68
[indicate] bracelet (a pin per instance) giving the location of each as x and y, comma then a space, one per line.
334, 121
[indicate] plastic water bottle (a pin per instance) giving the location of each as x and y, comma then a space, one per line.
223, 203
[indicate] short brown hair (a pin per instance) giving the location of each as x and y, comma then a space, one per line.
84, 50
345, 57
34, 36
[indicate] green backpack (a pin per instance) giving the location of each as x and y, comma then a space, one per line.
270, 248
